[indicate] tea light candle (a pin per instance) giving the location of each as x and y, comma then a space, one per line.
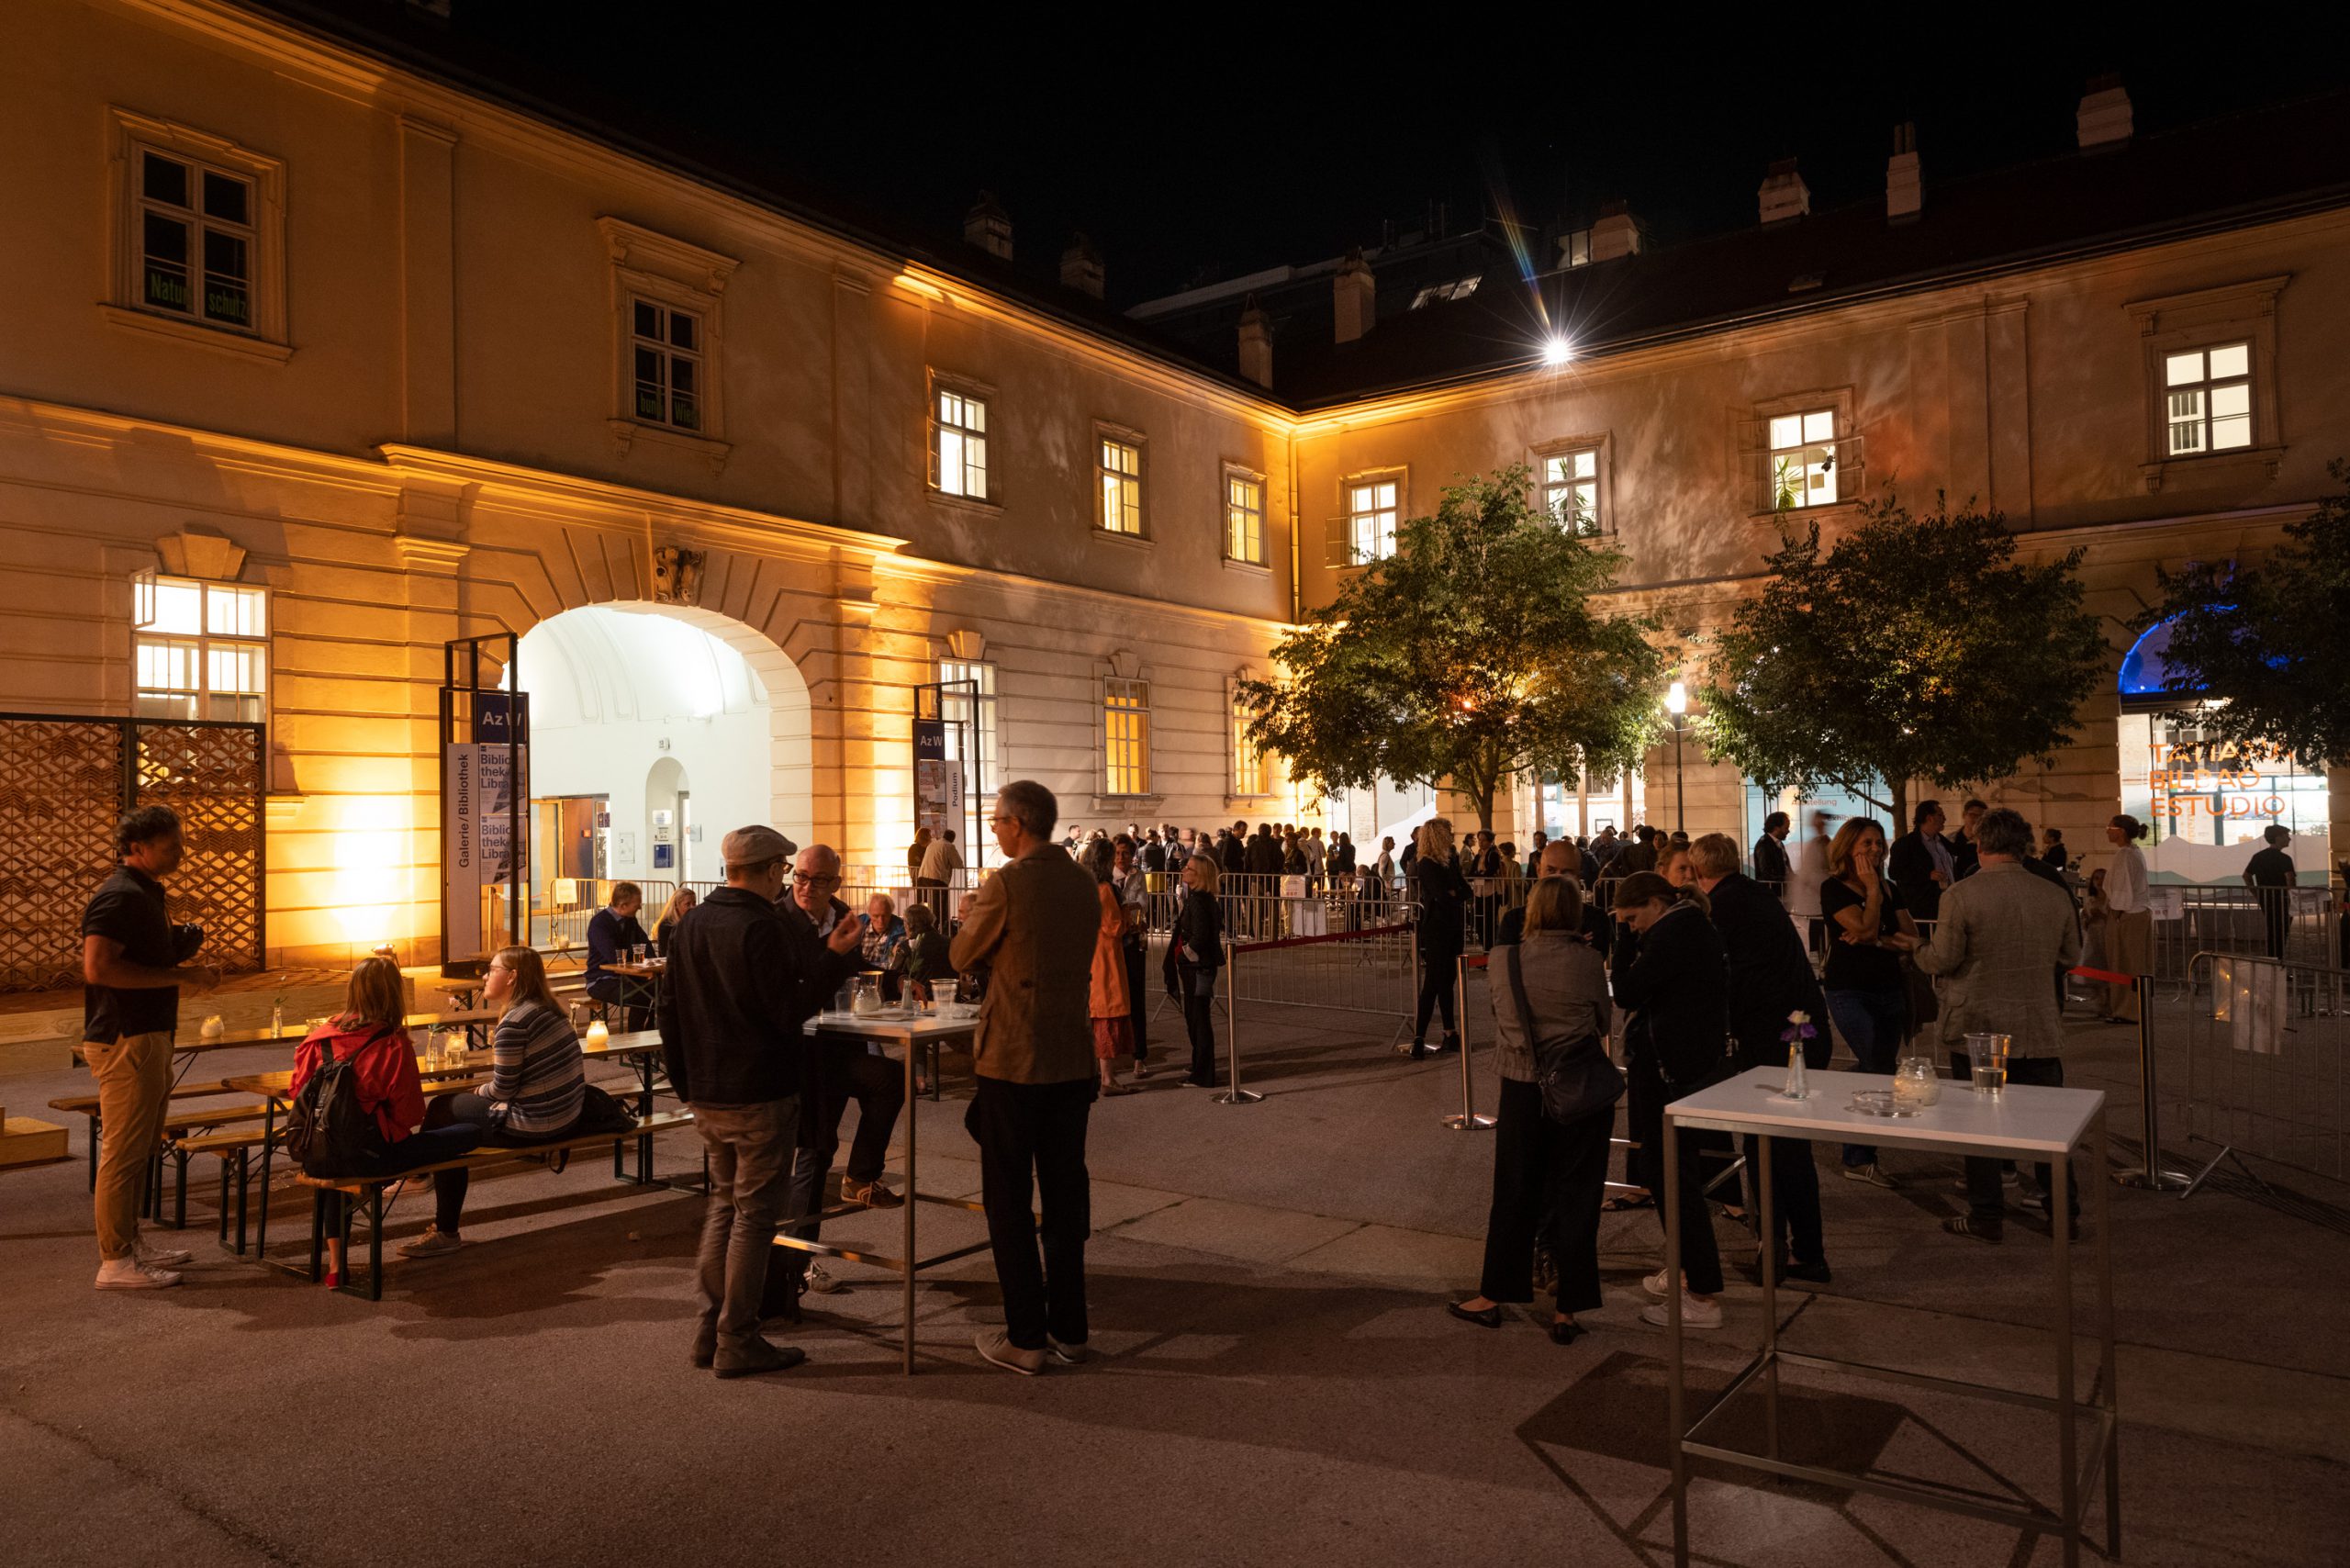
214, 1028
596, 1034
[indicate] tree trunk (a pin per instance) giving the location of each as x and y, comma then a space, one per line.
1900, 825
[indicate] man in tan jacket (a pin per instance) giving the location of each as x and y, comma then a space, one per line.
1033, 925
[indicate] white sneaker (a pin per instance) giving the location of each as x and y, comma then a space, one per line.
431, 1244
1654, 1284
821, 1283
155, 1256
130, 1274
1872, 1175
1695, 1313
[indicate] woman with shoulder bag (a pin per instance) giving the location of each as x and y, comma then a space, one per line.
1195, 953
1677, 989
1558, 1108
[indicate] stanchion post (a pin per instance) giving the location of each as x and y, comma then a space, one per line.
2151, 1175
1233, 1094
1468, 1121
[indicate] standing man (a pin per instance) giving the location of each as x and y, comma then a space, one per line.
841, 1067
1131, 882
1034, 925
1811, 870
1317, 855
738, 992
1965, 855
1921, 863
2270, 875
613, 934
2001, 933
941, 863
1232, 850
1770, 977
131, 975
1770, 868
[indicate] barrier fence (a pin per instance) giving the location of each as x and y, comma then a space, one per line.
2301, 925
2264, 1043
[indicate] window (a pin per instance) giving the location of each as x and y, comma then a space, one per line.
666, 348
1802, 470
1575, 248
958, 444
955, 708
1374, 504
1244, 516
1571, 489
1126, 735
1249, 773
195, 240
1117, 469
1436, 293
200, 650
200, 237
2208, 399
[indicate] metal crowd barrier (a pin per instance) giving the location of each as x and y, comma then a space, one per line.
564, 928
1356, 968
2301, 925
1468, 1120
2264, 1065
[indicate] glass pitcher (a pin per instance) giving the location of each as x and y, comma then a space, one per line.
866, 1000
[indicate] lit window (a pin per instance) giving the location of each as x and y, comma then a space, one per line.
1244, 516
1575, 248
1803, 460
1125, 734
958, 449
1248, 765
1117, 467
1460, 288
1571, 489
956, 707
667, 348
200, 650
1373, 507
2208, 399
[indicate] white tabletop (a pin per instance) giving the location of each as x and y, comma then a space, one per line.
913, 1026
2024, 1120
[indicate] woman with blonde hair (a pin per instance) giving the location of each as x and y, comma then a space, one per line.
1868, 930
538, 1085
1194, 957
1441, 933
666, 929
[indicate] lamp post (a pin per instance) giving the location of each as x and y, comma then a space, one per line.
1676, 702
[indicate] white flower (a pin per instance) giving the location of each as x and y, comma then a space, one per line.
1799, 1017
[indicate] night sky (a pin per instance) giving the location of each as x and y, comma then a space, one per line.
1211, 144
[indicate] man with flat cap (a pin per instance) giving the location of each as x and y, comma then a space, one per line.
738, 994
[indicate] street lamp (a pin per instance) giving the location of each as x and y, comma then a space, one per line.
1676, 702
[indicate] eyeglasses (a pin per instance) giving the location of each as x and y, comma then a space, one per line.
821, 881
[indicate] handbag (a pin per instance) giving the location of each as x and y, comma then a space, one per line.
1575, 1078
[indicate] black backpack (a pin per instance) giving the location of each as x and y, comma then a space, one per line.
329, 1132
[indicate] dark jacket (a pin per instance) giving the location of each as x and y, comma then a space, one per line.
739, 990
1198, 925
1232, 856
1911, 867
1770, 973
1264, 857
1443, 895
610, 937
1771, 861
1677, 987
1596, 934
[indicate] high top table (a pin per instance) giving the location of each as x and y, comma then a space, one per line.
2025, 1122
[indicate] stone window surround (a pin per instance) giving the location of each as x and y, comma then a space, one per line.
1228, 471
128, 132
1123, 665
1343, 530
1598, 442
1757, 444
685, 277
1107, 430
2169, 324
939, 381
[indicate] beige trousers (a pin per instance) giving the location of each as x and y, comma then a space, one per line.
134, 1076
2129, 950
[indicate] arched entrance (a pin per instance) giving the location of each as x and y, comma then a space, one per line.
655, 729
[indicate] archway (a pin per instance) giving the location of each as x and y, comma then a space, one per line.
655, 729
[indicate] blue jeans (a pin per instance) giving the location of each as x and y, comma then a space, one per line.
1873, 1023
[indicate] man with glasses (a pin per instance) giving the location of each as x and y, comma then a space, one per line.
1034, 924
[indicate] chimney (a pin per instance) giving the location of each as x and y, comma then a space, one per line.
1783, 194
989, 226
1616, 234
2103, 117
1081, 266
1903, 196
1256, 346
1356, 298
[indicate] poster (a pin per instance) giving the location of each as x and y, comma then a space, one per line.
479, 849
938, 782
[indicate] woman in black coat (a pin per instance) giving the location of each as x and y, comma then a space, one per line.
1443, 895
1677, 989
1195, 954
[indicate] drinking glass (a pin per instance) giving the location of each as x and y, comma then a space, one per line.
1987, 1056
942, 992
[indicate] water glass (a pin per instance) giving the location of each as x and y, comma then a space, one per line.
1987, 1055
942, 992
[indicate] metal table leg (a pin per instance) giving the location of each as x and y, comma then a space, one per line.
2060, 1225
913, 1120
1763, 1168
1675, 1372
268, 1154
2110, 1388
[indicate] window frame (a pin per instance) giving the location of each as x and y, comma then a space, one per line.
664, 344
2201, 320
132, 135
1600, 481
2205, 389
1241, 750
1106, 435
1137, 689
1848, 442
1357, 558
1236, 473
934, 425
986, 723
201, 645
672, 274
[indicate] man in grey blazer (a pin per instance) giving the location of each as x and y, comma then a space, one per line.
2001, 930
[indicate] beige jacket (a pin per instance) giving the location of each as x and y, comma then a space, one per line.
2001, 932
1032, 925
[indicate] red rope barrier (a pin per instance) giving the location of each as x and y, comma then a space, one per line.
2106, 976
1311, 941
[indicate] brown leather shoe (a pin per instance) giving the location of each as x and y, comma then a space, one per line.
872, 1195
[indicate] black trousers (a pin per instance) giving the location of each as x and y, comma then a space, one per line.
1199, 1022
1032, 1147
1983, 1199
1644, 1125
1795, 1197
1137, 1000
1701, 1259
1548, 1179
845, 1072
468, 1109
1439, 972
622, 997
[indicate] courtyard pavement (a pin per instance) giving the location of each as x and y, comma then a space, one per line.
1278, 1382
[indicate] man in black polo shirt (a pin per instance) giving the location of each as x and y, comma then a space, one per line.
130, 1007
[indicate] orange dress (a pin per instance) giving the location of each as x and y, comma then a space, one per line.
1113, 1031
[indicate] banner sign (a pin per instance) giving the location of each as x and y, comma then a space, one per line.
479, 848
938, 782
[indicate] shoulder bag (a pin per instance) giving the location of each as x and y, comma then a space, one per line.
1575, 1078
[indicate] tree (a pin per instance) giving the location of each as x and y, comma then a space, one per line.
1472, 654
1917, 647
2270, 639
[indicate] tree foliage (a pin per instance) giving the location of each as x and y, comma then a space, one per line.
2274, 640
1473, 654
1916, 647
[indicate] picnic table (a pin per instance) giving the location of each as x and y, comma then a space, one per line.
185, 1048
640, 983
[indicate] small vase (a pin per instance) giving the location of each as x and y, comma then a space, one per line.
1799, 1083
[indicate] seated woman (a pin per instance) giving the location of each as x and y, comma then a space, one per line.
922, 956
883, 931
671, 912
537, 1086
371, 1034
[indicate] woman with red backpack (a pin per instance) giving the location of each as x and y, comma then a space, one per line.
368, 1047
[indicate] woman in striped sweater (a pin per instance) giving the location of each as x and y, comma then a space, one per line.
536, 1089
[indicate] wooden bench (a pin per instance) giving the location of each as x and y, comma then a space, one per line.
345, 1195
87, 1105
